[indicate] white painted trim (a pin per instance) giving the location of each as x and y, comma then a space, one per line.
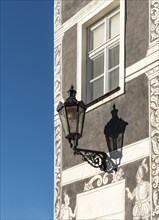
85, 13
114, 95
131, 153
142, 66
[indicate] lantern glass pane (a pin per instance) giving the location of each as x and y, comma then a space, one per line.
72, 115
62, 114
81, 120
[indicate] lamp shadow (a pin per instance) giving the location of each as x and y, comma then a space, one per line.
114, 133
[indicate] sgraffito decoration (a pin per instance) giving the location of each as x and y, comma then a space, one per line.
57, 74
57, 13
103, 180
153, 76
57, 172
154, 20
57, 133
66, 210
141, 194
154, 131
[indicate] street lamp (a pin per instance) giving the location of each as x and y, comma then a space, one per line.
72, 116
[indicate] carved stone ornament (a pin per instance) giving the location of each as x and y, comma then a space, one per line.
103, 180
57, 173
57, 74
154, 131
154, 20
57, 13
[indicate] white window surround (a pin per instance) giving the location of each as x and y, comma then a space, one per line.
85, 22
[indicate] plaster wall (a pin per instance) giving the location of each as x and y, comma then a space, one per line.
137, 30
71, 7
132, 108
133, 105
69, 59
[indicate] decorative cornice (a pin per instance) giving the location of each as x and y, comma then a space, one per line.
153, 72
93, 5
154, 133
57, 172
154, 20
103, 180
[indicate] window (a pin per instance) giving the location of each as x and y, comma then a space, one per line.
100, 53
103, 56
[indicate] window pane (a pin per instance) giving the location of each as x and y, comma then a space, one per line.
113, 79
98, 36
97, 66
97, 88
114, 25
113, 56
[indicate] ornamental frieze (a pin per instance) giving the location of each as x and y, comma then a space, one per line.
57, 172
57, 74
154, 20
135, 179
104, 179
154, 131
57, 13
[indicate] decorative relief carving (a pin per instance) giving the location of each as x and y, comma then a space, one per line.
154, 131
154, 20
141, 194
66, 210
103, 180
153, 72
57, 13
57, 74
57, 173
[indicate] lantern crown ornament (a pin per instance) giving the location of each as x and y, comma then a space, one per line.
72, 116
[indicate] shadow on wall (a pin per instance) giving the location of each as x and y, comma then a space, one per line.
114, 133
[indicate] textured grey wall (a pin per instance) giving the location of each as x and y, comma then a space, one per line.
132, 108
71, 7
69, 59
137, 30
137, 26
133, 105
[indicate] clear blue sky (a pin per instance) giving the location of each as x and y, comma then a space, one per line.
26, 109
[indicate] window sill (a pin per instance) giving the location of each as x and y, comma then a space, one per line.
105, 98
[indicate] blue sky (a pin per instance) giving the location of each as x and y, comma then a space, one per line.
26, 109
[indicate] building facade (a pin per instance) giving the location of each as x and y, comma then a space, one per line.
109, 51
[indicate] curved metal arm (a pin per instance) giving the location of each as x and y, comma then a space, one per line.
97, 159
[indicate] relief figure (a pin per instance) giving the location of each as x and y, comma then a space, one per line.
66, 211
141, 194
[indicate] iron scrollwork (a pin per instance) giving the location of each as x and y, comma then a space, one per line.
94, 158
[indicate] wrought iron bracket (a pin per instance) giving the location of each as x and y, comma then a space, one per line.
97, 159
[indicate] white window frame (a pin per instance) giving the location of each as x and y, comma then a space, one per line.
86, 21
